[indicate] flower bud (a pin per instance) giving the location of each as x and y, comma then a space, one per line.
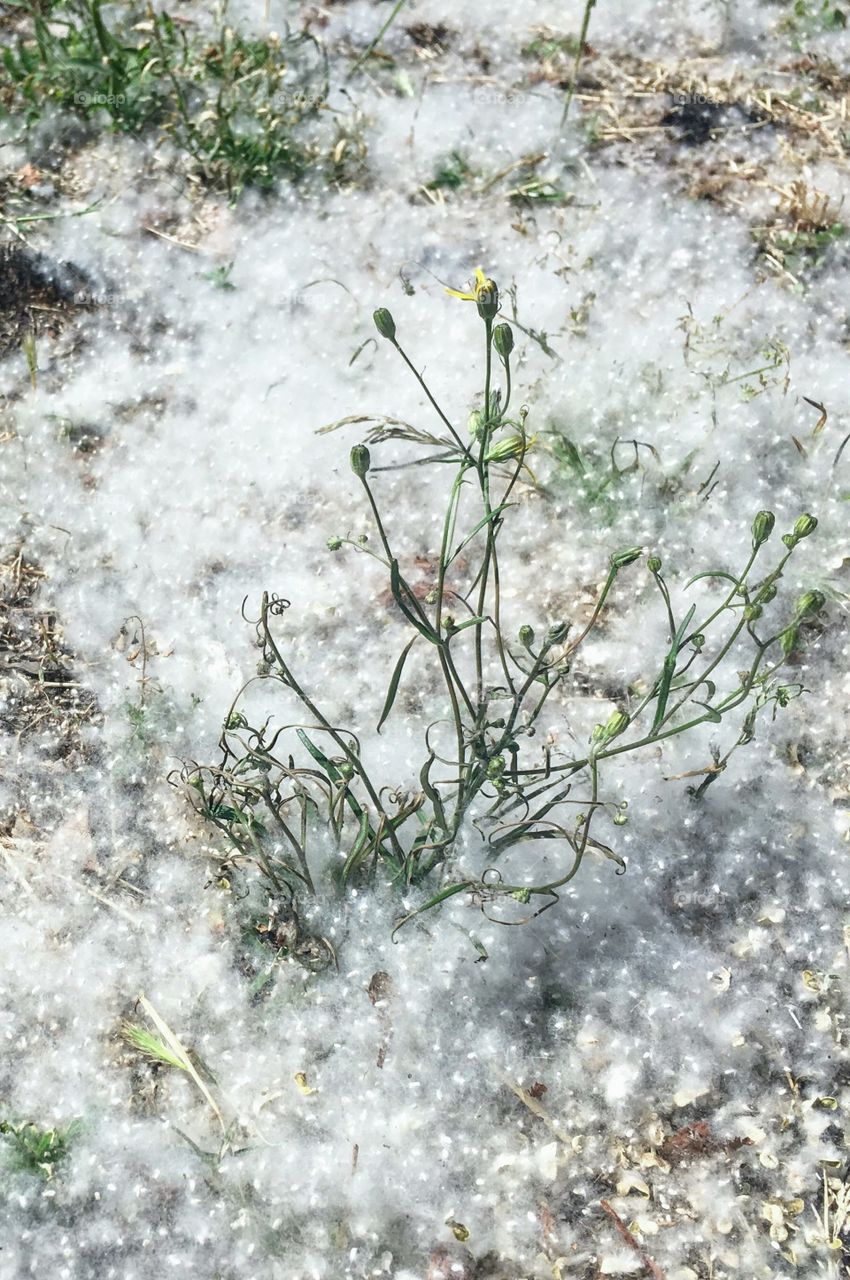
752, 612
334, 544
805, 525
762, 528
384, 323
508, 447
487, 299
360, 460
557, 633
626, 556
698, 641
495, 766
616, 724
476, 423
503, 340
526, 636
653, 564
810, 603
767, 593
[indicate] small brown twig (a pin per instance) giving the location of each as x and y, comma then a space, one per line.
652, 1268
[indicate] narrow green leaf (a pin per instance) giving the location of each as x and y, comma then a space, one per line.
358, 850
448, 892
396, 585
711, 573
394, 682
494, 514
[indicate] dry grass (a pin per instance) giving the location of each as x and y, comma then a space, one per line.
40, 694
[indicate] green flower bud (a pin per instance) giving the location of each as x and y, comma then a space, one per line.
698, 641
788, 640
653, 564
626, 556
487, 299
805, 525
509, 447
495, 766
809, 604
752, 612
476, 423
762, 528
616, 724
360, 460
384, 323
503, 340
557, 633
334, 544
526, 636
767, 593
522, 895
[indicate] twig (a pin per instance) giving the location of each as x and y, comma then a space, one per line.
652, 1268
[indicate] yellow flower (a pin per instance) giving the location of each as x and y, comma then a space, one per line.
484, 293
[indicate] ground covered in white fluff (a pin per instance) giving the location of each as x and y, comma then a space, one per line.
652, 1078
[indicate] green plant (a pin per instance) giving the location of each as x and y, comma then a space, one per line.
279, 792
234, 106
38, 1151
809, 17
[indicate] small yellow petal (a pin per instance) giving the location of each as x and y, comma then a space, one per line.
480, 278
458, 293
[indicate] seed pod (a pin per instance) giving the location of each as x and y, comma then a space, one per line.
762, 528
503, 340
804, 525
526, 636
360, 460
653, 564
384, 323
626, 556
